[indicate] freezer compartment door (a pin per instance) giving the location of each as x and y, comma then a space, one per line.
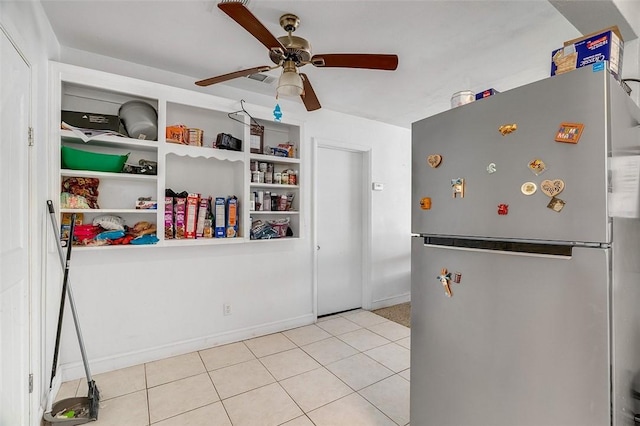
523, 340
495, 167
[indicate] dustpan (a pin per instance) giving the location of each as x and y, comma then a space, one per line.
70, 411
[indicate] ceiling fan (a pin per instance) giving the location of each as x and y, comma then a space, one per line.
291, 52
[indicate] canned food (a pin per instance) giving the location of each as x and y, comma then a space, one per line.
277, 178
255, 176
285, 178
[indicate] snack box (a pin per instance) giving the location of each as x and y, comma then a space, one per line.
604, 45
179, 218
146, 204
191, 215
65, 226
232, 217
220, 221
486, 93
177, 134
195, 137
168, 218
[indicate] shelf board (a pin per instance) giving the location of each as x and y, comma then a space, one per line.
110, 211
69, 136
202, 242
272, 185
274, 159
275, 212
113, 247
107, 175
203, 151
265, 240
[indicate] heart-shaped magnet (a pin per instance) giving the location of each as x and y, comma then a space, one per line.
434, 160
552, 188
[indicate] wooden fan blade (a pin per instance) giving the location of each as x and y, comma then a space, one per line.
308, 95
356, 60
232, 75
239, 13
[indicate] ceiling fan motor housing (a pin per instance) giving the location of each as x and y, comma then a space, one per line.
298, 49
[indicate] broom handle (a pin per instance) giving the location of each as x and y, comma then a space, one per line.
72, 304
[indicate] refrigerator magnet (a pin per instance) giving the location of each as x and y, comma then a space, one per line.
537, 166
528, 188
491, 168
503, 209
556, 204
551, 188
457, 185
434, 160
505, 129
569, 132
425, 203
444, 278
457, 277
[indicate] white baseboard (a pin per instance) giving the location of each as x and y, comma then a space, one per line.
390, 301
75, 370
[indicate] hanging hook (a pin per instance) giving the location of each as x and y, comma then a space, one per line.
243, 110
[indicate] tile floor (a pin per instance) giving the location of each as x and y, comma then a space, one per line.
348, 369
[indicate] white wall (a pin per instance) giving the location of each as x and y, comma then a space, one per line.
145, 304
29, 29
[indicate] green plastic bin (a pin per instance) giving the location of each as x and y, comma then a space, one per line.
77, 159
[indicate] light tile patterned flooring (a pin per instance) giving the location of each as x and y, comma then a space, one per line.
348, 369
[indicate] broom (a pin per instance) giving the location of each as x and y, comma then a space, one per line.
92, 402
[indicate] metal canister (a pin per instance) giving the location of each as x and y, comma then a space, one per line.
462, 97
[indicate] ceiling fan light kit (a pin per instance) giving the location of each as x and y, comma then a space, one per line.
290, 83
291, 52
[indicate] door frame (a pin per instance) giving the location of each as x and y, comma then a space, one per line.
33, 330
317, 143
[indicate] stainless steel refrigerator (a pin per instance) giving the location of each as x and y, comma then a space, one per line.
525, 207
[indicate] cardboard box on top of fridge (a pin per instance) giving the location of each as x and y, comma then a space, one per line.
604, 45
486, 93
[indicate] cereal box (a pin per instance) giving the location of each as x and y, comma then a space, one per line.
203, 211
179, 218
168, 218
604, 45
191, 215
220, 221
232, 217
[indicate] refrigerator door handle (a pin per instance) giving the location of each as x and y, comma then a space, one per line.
507, 252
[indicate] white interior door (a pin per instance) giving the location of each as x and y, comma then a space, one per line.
340, 218
14, 249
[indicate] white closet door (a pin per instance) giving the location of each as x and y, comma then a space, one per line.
339, 226
14, 250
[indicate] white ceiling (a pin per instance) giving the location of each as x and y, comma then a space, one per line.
443, 46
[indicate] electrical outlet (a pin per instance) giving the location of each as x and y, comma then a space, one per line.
226, 309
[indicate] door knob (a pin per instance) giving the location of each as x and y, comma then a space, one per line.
317, 247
